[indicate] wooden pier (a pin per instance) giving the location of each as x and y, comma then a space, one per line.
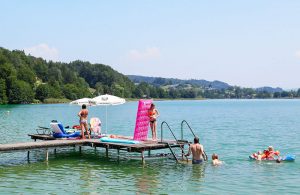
49, 142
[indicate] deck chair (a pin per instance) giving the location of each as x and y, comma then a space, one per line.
95, 126
60, 132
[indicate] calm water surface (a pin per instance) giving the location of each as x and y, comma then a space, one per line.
231, 128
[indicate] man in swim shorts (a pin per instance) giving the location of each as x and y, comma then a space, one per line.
197, 151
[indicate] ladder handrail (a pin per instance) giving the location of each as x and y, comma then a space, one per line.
184, 121
164, 122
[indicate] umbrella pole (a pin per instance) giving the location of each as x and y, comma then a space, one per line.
106, 120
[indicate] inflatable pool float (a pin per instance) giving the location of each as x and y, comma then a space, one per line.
60, 132
288, 158
116, 140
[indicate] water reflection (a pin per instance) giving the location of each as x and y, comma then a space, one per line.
198, 172
147, 182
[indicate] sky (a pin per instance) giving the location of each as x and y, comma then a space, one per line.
251, 43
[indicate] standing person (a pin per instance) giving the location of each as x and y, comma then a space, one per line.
83, 120
197, 150
153, 114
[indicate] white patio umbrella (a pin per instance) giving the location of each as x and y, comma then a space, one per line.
86, 101
106, 100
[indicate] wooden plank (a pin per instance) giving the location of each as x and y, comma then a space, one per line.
52, 142
35, 145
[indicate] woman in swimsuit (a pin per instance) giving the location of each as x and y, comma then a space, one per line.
83, 120
153, 114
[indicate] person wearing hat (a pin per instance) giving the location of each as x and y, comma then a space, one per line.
270, 153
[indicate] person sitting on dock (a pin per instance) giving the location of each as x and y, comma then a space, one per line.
83, 120
215, 160
197, 151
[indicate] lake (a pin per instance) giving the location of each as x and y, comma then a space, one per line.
231, 128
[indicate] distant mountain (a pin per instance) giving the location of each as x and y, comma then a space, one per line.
159, 81
269, 89
219, 85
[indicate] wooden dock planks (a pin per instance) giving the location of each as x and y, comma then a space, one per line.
50, 143
36, 145
47, 141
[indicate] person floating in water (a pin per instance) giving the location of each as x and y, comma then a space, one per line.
83, 120
270, 154
153, 114
197, 151
257, 155
215, 160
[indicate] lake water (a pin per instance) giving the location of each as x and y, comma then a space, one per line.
232, 128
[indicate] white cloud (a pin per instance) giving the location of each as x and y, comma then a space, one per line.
44, 51
297, 54
148, 54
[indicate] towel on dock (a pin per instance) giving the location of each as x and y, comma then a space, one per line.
115, 140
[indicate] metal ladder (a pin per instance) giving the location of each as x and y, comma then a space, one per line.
179, 142
185, 122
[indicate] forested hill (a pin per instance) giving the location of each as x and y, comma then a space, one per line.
25, 79
158, 81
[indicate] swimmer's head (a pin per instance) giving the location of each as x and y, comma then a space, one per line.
270, 148
214, 156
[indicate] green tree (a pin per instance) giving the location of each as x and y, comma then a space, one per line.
99, 88
42, 92
27, 75
20, 92
55, 90
3, 97
70, 91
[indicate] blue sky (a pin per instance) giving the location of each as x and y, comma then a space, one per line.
246, 43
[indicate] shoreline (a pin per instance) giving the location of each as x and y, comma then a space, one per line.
66, 101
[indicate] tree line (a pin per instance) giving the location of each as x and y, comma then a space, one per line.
27, 79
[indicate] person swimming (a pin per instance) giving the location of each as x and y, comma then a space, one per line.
215, 160
270, 154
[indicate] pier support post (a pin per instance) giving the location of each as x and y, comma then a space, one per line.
143, 157
47, 154
28, 152
54, 150
118, 154
149, 152
79, 149
106, 151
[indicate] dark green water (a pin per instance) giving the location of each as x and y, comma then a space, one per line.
231, 128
